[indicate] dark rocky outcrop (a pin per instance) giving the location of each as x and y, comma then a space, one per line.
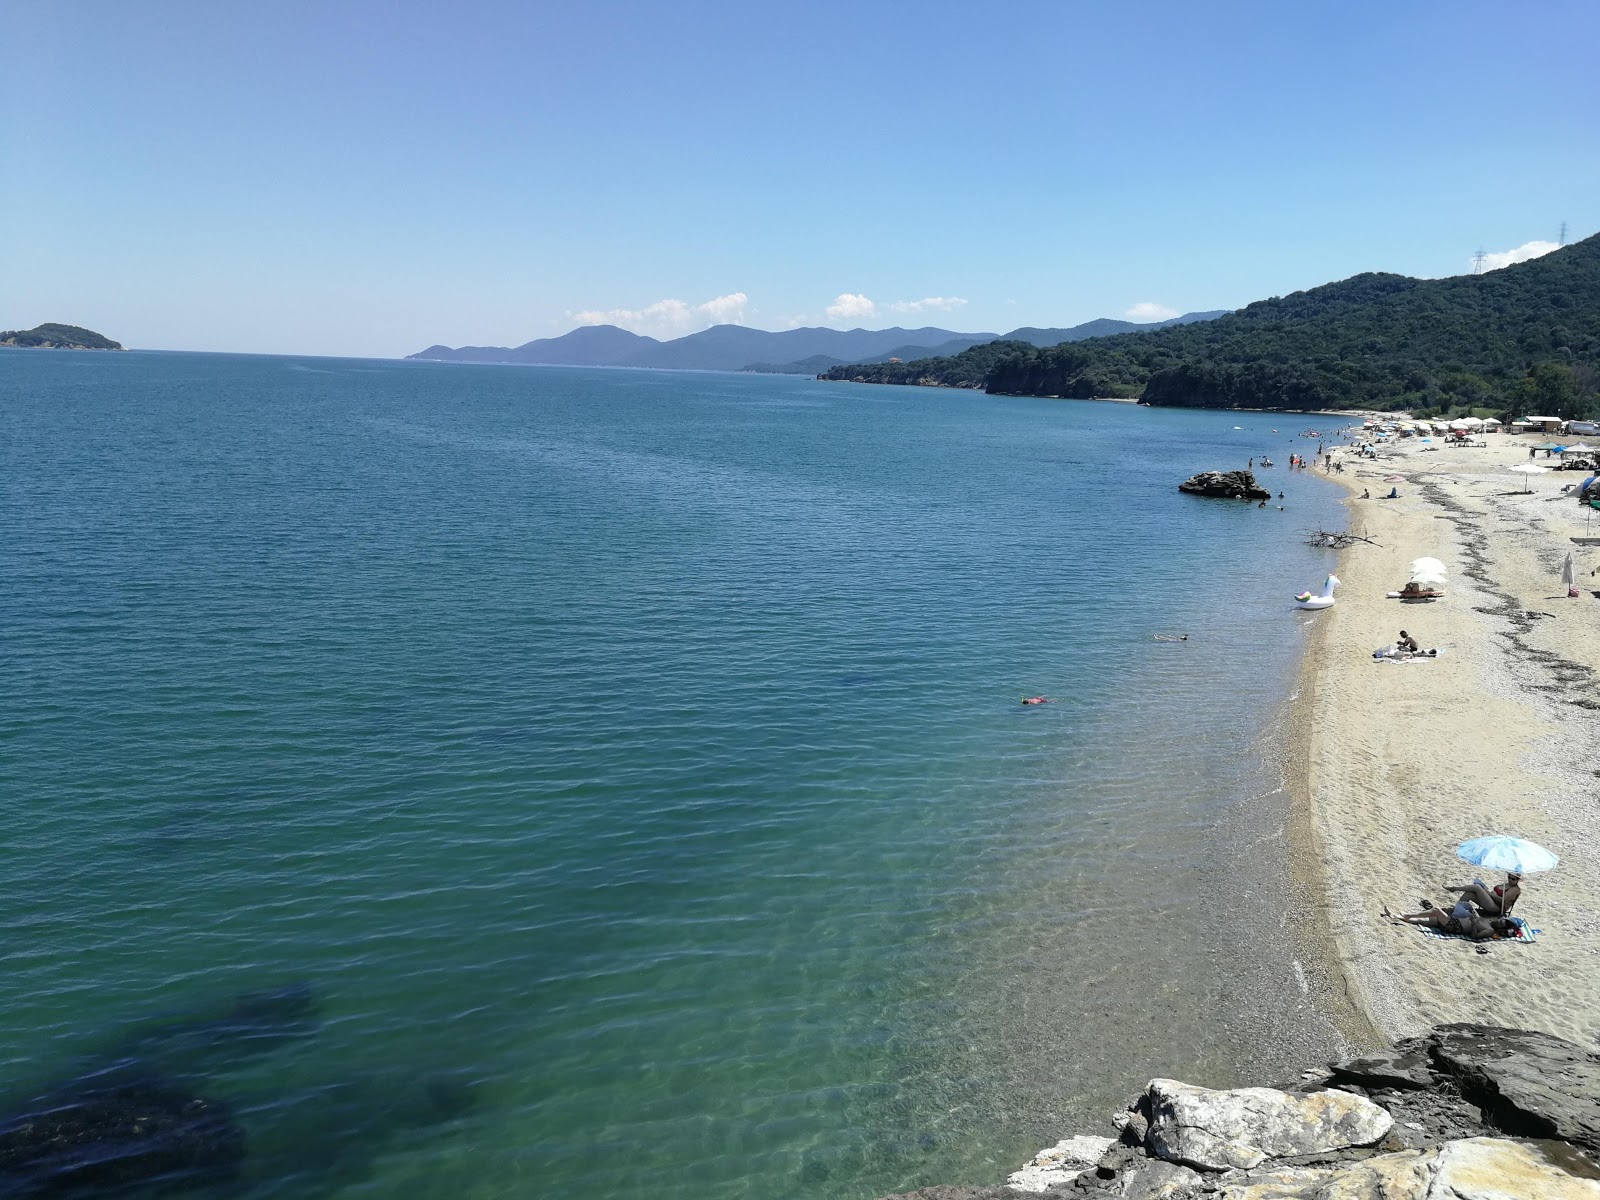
1226, 485
137, 1121
1525, 1083
118, 1133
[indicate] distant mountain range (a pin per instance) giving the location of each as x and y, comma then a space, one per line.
737, 348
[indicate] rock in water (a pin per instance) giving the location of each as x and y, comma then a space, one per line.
1228, 485
1242, 1128
115, 1135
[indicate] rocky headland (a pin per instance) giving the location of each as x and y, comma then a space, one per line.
52, 336
1464, 1112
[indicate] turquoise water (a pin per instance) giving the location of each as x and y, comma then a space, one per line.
631, 764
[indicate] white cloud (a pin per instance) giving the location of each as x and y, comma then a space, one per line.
850, 307
1504, 258
929, 303
726, 310
671, 318
1149, 310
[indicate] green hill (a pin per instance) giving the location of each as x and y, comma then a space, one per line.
57, 337
1527, 336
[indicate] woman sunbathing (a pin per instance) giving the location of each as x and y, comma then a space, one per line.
1497, 903
1467, 924
1419, 591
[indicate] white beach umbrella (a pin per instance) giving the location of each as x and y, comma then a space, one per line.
1490, 421
1516, 855
1530, 469
1428, 571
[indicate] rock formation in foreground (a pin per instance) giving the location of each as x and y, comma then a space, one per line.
1466, 1112
1227, 485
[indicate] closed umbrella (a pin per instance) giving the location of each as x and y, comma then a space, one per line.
1569, 575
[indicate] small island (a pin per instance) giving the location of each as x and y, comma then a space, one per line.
51, 336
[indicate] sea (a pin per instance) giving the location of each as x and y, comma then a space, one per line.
484, 781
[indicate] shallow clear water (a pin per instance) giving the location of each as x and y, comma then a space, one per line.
630, 762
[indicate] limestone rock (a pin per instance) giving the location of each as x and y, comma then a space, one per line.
1403, 1176
1061, 1163
1470, 1169
1228, 485
1157, 1180
1242, 1128
1494, 1169
1132, 1124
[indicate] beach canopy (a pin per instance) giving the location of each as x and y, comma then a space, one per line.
1513, 854
1490, 421
1578, 448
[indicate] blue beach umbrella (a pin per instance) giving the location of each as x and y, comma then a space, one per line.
1514, 855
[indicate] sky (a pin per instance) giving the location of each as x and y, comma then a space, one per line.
368, 179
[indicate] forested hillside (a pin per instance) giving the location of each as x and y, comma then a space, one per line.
51, 336
1525, 336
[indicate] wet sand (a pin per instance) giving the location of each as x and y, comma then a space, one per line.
1393, 765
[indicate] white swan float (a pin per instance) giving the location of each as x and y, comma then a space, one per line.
1307, 600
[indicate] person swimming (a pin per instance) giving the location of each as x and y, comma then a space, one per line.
1172, 637
1036, 699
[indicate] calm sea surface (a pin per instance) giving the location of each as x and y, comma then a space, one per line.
631, 765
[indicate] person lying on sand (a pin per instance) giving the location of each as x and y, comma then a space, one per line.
1470, 924
1497, 903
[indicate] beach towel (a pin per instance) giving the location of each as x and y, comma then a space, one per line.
1385, 654
1526, 934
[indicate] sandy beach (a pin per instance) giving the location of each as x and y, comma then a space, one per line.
1393, 765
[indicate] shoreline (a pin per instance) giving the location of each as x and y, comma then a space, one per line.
1390, 766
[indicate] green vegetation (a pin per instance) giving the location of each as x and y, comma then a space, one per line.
1522, 339
58, 337
968, 369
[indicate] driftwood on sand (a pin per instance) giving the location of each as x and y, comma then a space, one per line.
1336, 540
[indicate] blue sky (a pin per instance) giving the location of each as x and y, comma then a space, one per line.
370, 178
